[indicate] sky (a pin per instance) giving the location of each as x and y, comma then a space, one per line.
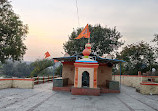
51, 22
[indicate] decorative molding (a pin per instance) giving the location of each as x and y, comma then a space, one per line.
16, 79
95, 78
76, 76
135, 76
87, 65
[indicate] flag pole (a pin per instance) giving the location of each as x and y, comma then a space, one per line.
88, 34
53, 69
52, 64
89, 40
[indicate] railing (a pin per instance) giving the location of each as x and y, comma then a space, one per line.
44, 79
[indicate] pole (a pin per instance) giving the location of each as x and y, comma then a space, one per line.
77, 14
89, 40
61, 70
53, 70
120, 75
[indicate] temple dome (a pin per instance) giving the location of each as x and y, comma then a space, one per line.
87, 50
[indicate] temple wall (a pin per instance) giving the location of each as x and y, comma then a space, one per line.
104, 74
68, 72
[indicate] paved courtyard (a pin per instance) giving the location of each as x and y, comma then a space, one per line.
42, 98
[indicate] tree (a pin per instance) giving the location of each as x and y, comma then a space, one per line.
12, 33
58, 70
103, 40
155, 39
41, 65
23, 69
138, 57
8, 69
17, 69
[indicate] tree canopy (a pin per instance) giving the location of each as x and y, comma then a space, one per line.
104, 40
138, 57
12, 33
41, 65
16, 69
156, 41
155, 38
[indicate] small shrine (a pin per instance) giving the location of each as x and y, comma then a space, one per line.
86, 70
86, 74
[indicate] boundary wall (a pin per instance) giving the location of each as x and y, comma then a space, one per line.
16, 83
143, 84
148, 88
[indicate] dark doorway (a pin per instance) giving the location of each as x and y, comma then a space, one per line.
85, 79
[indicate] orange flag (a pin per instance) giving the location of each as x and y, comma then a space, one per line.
47, 54
85, 33
55, 61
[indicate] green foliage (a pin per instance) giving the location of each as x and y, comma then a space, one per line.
155, 39
138, 57
58, 70
17, 69
41, 65
12, 33
8, 69
104, 40
23, 70
46, 72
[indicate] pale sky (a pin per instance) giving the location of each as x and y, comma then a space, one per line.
51, 21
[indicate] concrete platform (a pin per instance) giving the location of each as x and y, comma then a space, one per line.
85, 91
42, 98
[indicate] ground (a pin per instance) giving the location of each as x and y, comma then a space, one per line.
42, 98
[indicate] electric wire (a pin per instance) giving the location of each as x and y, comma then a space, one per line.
77, 14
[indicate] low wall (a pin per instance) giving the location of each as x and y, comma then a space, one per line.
143, 84
128, 80
16, 83
133, 80
5, 83
148, 88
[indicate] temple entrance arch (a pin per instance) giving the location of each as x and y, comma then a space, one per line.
85, 79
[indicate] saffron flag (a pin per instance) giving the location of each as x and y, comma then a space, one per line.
47, 54
55, 61
85, 33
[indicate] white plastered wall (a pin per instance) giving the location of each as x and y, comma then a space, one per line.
11, 83
91, 76
5, 84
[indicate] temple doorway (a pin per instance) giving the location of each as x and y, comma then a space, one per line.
85, 79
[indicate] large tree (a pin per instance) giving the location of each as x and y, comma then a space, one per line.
138, 57
12, 33
104, 40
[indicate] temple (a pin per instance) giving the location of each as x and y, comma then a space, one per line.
86, 74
